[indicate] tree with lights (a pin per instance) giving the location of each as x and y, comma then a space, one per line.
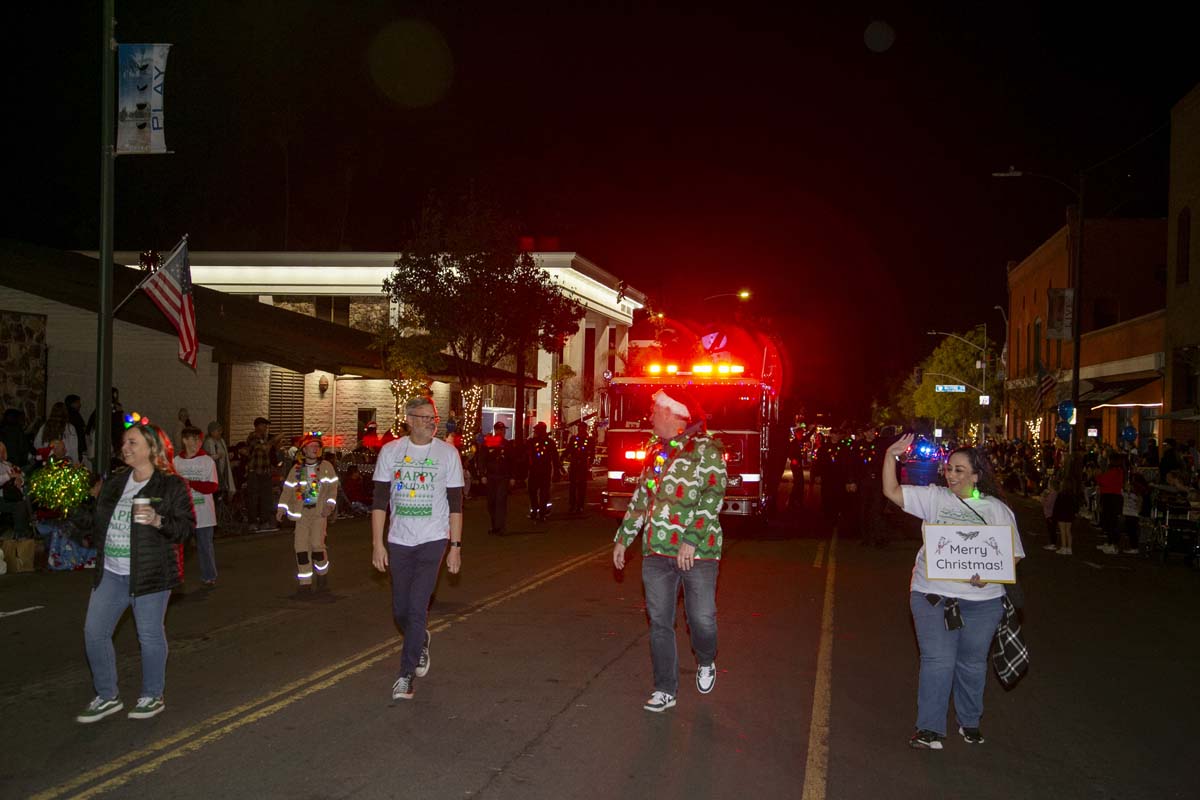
463, 282
954, 361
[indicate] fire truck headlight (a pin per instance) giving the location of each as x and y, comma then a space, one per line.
635, 455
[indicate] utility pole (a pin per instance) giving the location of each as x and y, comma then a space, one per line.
104, 306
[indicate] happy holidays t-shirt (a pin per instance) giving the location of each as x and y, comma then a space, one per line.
116, 540
419, 475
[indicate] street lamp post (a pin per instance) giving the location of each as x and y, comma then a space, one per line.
744, 294
983, 410
1076, 286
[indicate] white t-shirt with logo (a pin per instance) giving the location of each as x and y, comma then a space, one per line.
200, 467
940, 506
116, 540
419, 475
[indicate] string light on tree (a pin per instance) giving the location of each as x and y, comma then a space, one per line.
472, 400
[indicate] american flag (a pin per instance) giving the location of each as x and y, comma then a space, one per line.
1046, 385
170, 287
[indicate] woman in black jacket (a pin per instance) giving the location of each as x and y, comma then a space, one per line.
141, 518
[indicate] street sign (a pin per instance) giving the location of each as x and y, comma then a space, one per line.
937, 433
985, 400
949, 387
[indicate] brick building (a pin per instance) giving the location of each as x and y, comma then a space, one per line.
1182, 373
1123, 328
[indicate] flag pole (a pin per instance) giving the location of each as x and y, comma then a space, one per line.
104, 309
149, 275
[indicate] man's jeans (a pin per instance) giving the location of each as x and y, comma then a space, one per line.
206, 554
105, 609
414, 575
661, 577
953, 660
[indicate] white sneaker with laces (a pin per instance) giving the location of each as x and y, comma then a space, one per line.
147, 707
659, 702
706, 678
402, 689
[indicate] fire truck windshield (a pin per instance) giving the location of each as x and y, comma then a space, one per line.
727, 407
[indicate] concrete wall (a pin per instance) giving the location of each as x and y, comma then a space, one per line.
146, 368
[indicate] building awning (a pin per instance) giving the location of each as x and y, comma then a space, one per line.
238, 328
1103, 393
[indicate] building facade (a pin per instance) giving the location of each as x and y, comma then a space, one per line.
1182, 376
1123, 323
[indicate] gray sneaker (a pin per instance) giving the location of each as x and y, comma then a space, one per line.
423, 665
98, 709
402, 689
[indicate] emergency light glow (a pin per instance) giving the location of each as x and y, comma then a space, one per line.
635, 455
672, 368
702, 369
723, 369
737, 369
654, 369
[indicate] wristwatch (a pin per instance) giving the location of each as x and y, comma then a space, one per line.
456, 544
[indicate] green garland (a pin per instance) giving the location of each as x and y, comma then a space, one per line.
60, 486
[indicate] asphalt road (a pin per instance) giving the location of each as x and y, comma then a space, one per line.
541, 663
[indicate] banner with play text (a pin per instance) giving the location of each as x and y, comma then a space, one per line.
141, 124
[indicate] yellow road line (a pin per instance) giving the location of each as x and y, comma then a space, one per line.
816, 768
186, 739
820, 555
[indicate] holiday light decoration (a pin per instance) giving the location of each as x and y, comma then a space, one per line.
60, 486
472, 399
135, 419
402, 390
1035, 428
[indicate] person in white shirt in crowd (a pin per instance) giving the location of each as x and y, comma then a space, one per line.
418, 479
198, 468
953, 659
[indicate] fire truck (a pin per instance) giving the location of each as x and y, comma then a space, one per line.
737, 383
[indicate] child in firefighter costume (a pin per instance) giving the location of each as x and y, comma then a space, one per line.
309, 499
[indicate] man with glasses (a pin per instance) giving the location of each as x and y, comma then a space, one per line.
418, 479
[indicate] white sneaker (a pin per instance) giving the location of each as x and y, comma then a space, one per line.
1064, 551
706, 678
402, 689
659, 702
1109, 549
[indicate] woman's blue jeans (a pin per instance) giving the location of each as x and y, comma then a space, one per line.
105, 609
953, 660
661, 577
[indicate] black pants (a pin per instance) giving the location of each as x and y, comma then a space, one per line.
260, 506
578, 488
1110, 516
871, 523
497, 502
539, 495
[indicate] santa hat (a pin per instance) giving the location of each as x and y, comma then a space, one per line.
679, 402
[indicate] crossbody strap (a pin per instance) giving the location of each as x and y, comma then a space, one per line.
973, 511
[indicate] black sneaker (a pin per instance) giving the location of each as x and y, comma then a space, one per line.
423, 665
971, 735
925, 740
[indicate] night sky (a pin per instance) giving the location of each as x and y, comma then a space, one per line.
689, 148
